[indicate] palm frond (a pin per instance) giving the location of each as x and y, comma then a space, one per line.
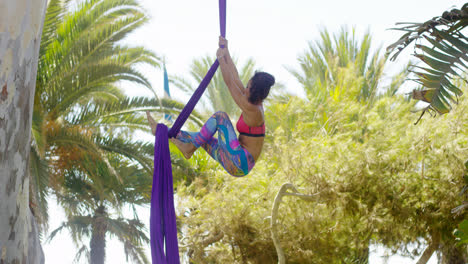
79, 227
445, 56
373, 75
74, 198
38, 133
82, 252
64, 105
322, 65
137, 254
72, 136
182, 83
136, 189
128, 149
39, 174
56, 10
84, 41
444, 60
111, 94
126, 113
95, 78
455, 20
132, 233
77, 137
81, 194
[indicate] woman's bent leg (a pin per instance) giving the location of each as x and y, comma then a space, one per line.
235, 159
207, 132
226, 149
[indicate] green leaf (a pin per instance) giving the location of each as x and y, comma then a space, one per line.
459, 42
435, 54
462, 232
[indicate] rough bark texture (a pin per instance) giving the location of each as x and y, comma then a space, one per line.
98, 237
21, 24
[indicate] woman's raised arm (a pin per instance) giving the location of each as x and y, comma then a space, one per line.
231, 77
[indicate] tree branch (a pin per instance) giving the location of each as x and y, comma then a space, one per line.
427, 253
274, 214
212, 239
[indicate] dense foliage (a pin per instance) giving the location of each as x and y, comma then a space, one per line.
379, 179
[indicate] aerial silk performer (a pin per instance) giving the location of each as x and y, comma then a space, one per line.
236, 154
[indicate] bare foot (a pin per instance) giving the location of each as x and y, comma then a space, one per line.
186, 148
152, 122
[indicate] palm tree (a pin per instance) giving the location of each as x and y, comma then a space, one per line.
338, 71
78, 106
89, 202
217, 97
445, 54
328, 61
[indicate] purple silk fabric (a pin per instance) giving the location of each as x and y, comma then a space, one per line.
163, 229
185, 113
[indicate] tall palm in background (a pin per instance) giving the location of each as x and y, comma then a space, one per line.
78, 107
217, 96
344, 69
94, 206
327, 61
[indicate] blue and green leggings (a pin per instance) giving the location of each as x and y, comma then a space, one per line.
226, 149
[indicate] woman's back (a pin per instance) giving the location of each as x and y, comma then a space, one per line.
251, 128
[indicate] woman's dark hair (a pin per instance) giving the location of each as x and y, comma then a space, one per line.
260, 86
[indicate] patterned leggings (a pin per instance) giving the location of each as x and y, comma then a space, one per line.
227, 150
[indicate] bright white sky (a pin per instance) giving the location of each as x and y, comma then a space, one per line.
273, 33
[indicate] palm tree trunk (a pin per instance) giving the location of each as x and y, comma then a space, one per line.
21, 23
98, 237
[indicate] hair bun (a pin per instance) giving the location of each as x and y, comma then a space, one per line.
270, 80
260, 87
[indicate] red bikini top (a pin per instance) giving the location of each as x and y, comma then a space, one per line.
244, 129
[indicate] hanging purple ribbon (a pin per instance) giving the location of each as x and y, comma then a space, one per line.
163, 229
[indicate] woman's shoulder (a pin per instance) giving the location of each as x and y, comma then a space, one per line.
253, 110
254, 117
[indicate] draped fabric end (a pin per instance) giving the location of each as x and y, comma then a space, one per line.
163, 229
